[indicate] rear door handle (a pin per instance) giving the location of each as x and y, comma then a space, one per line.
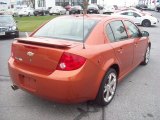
136, 44
120, 50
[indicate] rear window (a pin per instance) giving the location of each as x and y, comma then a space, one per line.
66, 28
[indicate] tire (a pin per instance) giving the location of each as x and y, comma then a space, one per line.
29, 14
35, 14
102, 98
146, 57
146, 23
43, 14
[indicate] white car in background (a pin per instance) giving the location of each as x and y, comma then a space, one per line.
138, 18
108, 9
26, 12
57, 10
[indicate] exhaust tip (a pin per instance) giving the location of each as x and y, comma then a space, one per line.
14, 87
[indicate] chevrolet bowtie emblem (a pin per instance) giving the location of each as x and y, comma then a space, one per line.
30, 54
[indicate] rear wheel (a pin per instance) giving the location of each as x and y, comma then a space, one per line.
146, 57
29, 14
146, 23
108, 88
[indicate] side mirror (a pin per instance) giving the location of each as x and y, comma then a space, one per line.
145, 34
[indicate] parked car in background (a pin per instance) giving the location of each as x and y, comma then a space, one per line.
142, 7
8, 26
68, 7
41, 11
93, 9
135, 9
108, 9
2, 12
63, 62
138, 18
157, 8
76, 10
57, 10
100, 7
26, 12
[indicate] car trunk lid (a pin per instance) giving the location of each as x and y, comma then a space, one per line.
39, 55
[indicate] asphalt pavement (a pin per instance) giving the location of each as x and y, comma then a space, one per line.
137, 96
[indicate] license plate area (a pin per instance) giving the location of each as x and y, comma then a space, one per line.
2, 33
27, 83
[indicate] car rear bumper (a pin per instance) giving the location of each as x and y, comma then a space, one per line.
60, 86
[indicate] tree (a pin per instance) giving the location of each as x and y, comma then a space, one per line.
85, 5
33, 3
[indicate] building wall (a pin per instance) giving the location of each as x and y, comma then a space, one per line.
44, 3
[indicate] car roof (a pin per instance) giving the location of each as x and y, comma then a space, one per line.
98, 17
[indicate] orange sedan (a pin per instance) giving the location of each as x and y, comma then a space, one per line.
74, 59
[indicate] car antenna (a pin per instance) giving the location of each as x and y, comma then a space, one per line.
84, 13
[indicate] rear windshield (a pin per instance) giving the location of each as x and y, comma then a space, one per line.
66, 28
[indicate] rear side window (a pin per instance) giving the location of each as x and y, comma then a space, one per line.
132, 29
118, 30
109, 33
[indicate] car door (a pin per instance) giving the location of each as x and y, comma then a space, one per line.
140, 43
123, 47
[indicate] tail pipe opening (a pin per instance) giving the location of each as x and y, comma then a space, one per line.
14, 87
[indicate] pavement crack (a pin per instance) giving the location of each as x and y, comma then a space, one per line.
103, 113
83, 113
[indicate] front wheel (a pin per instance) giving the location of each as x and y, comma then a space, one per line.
108, 88
146, 57
146, 23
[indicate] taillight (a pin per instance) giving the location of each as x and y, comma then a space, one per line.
70, 61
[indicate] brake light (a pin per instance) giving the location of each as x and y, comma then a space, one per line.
70, 61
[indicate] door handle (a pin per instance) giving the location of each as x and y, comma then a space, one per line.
136, 44
120, 50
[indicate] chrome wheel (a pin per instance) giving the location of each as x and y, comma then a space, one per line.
107, 88
147, 55
110, 87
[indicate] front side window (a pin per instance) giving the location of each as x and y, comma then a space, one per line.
67, 28
136, 15
132, 29
118, 30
